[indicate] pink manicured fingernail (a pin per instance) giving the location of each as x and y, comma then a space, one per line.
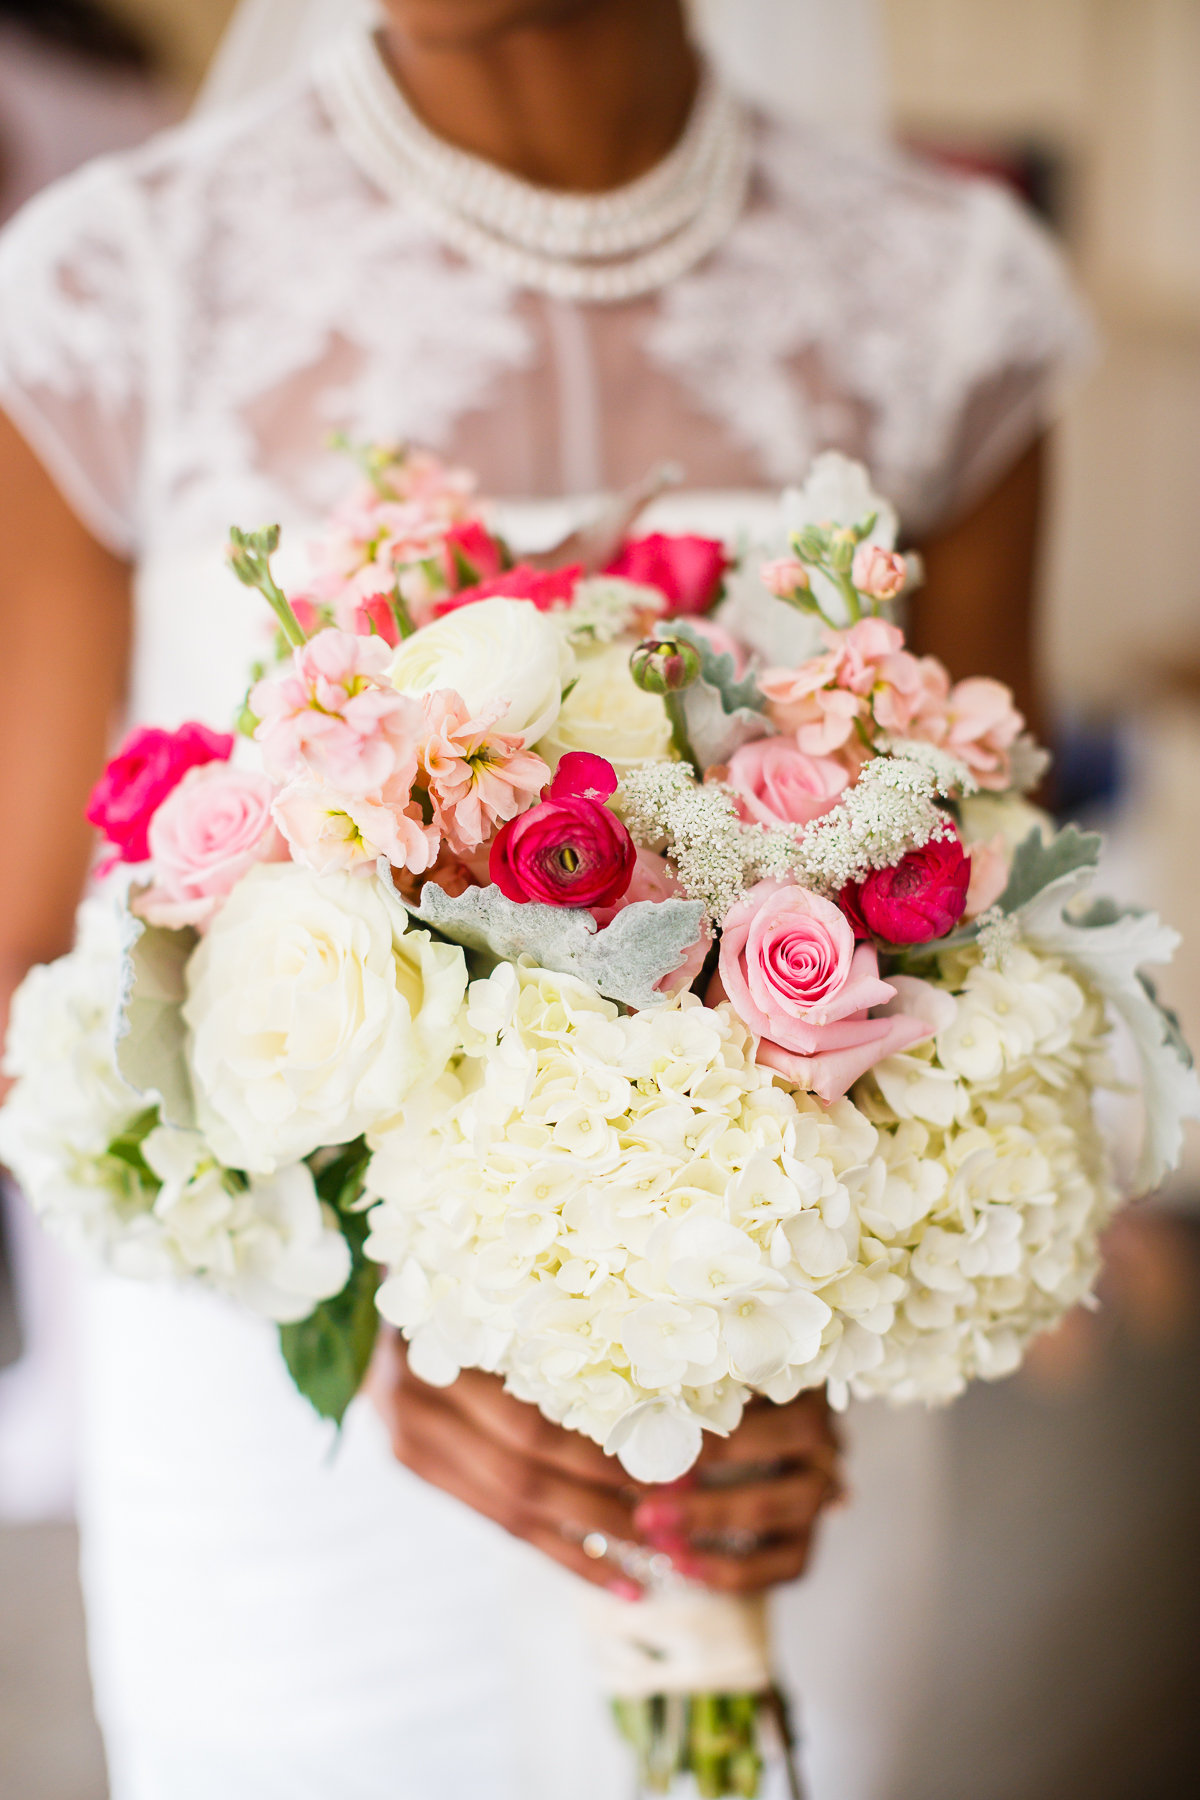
625, 1590
655, 1518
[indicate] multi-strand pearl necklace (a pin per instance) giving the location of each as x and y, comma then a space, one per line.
603, 247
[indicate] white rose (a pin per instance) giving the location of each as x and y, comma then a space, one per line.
313, 1012
497, 649
607, 713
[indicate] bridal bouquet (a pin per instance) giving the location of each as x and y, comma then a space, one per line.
651, 1021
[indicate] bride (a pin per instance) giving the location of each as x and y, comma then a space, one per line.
542, 236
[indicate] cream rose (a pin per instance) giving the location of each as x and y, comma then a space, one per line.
607, 713
313, 1013
498, 649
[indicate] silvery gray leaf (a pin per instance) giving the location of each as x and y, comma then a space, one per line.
150, 1030
718, 670
625, 961
715, 733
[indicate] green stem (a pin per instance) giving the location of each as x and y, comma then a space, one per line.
250, 559
677, 719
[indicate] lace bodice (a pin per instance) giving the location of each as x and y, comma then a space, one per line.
184, 327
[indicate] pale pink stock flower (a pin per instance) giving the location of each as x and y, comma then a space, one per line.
330, 831
982, 724
777, 783
336, 715
784, 576
805, 702
878, 573
478, 777
213, 827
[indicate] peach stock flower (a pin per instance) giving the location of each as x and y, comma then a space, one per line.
478, 777
335, 715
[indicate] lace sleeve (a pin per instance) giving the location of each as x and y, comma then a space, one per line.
1012, 334
73, 343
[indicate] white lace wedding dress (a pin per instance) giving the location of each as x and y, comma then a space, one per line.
181, 329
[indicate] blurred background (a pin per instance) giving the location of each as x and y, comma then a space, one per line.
1071, 1605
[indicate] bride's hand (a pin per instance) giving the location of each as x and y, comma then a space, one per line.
743, 1522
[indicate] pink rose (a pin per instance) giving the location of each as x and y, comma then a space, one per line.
688, 570
140, 776
569, 850
778, 784
920, 898
335, 713
208, 831
878, 573
547, 589
791, 971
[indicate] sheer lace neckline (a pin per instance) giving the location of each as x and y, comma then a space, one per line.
613, 246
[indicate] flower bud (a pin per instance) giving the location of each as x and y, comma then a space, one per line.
880, 574
664, 665
785, 578
843, 540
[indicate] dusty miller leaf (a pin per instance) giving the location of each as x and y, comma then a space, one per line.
151, 1034
625, 961
1039, 863
718, 670
720, 712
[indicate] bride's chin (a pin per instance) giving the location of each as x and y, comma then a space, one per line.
456, 24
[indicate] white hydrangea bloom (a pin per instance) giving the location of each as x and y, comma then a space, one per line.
626, 1217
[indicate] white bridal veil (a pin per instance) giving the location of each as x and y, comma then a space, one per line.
820, 60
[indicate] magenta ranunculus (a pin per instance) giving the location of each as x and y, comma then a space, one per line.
149, 764
790, 969
546, 588
921, 898
687, 569
569, 849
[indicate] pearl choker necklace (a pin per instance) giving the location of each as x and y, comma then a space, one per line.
603, 247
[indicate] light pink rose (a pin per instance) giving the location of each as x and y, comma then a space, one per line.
779, 784
878, 573
208, 831
330, 831
791, 971
335, 715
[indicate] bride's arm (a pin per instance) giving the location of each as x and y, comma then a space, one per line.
64, 647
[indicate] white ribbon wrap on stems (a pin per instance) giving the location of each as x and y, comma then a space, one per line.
683, 1641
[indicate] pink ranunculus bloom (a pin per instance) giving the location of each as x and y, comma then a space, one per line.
569, 850
208, 831
149, 764
878, 573
477, 777
791, 971
784, 576
336, 715
687, 569
991, 863
982, 724
547, 589
920, 898
330, 831
470, 554
778, 784
654, 880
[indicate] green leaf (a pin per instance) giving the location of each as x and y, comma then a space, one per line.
328, 1353
1039, 862
625, 961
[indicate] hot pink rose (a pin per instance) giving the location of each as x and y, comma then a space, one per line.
687, 569
208, 831
335, 714
920, 898
878, 573
570, 850
791, 971
546, 588
140, 776
777, 784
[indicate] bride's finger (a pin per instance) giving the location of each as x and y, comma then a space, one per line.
753, 1572
802, 1432
524, 1430
788, 1505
